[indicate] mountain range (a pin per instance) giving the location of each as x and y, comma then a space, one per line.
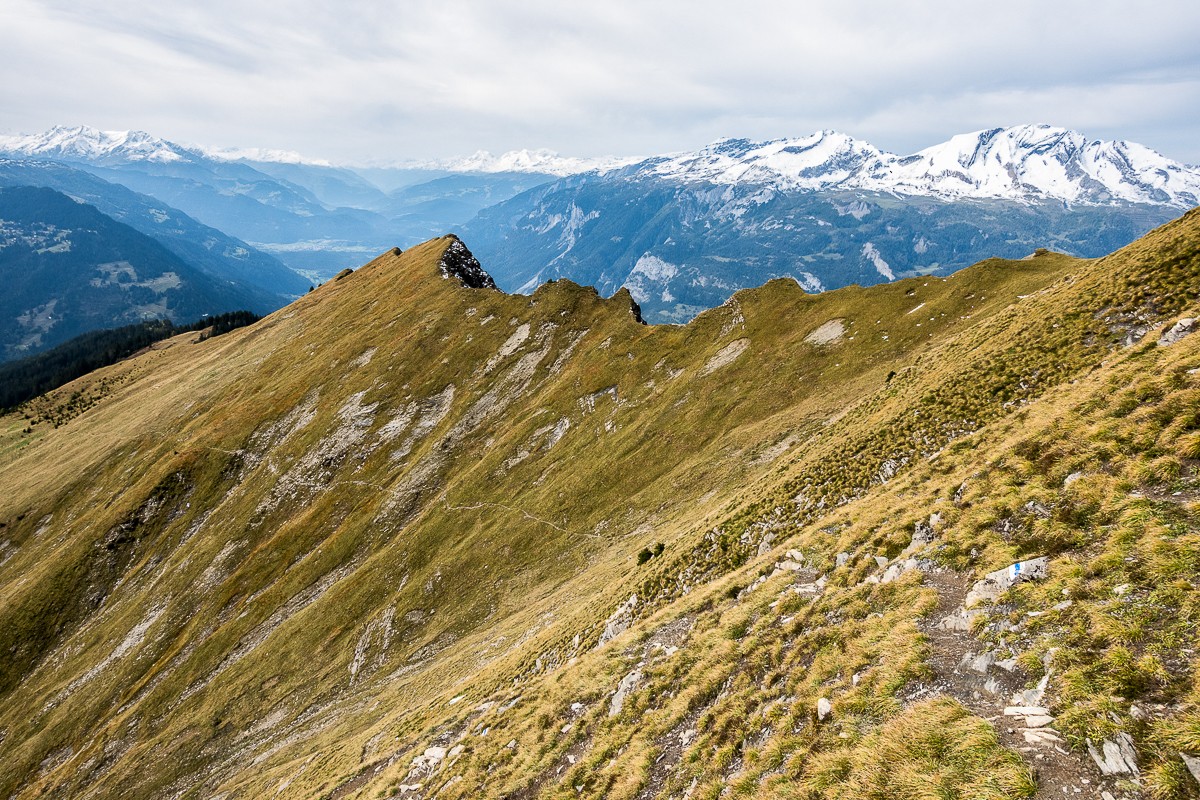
316, 218
684, 232
415, 537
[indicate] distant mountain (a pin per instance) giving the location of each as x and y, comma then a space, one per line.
220, 256
541, 162
312, 216
1026, 163
683, 232
67, 269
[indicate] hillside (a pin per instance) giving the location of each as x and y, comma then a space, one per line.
209, 250
410, 538
68, 269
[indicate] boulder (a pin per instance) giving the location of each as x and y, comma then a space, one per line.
824, 708
1177, 331
997, 583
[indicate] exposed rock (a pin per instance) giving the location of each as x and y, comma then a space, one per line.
795, 555
899, 568
726, 355
997, 583
764, 546
1041, 736
615, 625
958, 621
881, 561
1116, 756
824, 708
1074, 476
978, 663
922, 534
458, 262
628, 684
828, 333
1024, 711
1177, 331
1193, 765
430, 758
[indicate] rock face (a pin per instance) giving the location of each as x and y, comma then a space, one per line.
997, 583
458, 262
616, 624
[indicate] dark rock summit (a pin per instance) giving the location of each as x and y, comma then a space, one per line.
457, 262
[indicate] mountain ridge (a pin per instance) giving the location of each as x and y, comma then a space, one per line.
1028, 162
390, 539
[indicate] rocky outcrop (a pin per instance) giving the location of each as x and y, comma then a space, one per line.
1115, 756
458, 262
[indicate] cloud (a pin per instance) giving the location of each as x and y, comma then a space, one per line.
385, 80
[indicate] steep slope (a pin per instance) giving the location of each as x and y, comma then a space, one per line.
68, 269
209, 250
409, 538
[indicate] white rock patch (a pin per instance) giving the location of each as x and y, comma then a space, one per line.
726, 355
828, 333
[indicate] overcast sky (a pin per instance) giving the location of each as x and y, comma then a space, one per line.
364, 80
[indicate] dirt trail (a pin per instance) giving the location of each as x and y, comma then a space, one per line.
964, 671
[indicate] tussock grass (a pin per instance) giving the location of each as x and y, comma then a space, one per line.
320, 604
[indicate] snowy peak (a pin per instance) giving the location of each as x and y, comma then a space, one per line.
1031, 161
546, 162
1023, 163
92, 146
820, 161
83, 143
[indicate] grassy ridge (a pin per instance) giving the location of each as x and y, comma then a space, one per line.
276, 557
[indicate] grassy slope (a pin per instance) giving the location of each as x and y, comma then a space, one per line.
218, 579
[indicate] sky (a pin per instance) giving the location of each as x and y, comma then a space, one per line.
364, 81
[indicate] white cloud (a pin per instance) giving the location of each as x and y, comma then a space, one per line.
390, 80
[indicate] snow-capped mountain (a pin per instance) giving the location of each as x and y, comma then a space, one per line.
544, 162
824, 160
82, 143
1023, 163
682, 232
1041, 161
87, 144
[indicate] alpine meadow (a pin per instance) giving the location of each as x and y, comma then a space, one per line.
527, 400
412, 536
